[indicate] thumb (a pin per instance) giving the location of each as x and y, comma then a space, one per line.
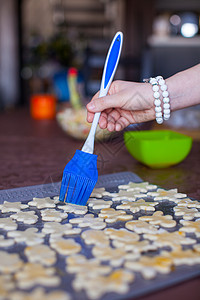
102, 103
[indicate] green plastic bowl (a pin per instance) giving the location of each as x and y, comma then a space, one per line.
158, 148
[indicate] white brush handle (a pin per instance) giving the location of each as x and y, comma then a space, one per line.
110, 67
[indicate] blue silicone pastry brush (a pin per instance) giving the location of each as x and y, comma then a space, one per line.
80, 174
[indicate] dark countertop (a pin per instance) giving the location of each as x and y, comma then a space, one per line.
36, 152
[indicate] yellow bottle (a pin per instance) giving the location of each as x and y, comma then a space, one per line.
72, 84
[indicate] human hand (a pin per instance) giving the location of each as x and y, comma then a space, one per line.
126, 103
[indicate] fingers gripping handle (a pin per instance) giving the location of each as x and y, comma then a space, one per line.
110, 67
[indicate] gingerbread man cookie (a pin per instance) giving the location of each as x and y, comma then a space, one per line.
141, 227
40, 203
89, 221
186, 213
56, 229
162, 194
30, 236
53, 215
142, 187
9, 262
27, 217
40, 254
7, 207
74, 208
98, 203
96, 237
190, 226
8, 224
65, 246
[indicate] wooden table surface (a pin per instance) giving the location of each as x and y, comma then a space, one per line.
36, 152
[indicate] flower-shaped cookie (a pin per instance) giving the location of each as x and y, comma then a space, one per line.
39, 293
30, 236
190, 226
188, 203
150, 266
96, 237
110, 215
138, 205
80, 264
159, 219
8, 224
42, 254
141, 227
6, 242
96, 286
74, 208
172, 239
42, 203
128, 195
142, 187
53, 215
7, 207
58, 230
186, 213
89, 221
9, 262
162, 194
6, 286
98, 203
115, 256
183, 257
65, 246
33, 274
27, 217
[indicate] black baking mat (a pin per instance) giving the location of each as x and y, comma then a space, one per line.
140, 286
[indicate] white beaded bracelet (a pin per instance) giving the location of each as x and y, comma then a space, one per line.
156, 82
165, 95
157, 101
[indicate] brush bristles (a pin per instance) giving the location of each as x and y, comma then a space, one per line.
76, 189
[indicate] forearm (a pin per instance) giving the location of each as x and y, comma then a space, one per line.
184, 88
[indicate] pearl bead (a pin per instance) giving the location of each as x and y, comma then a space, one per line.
153, 81
157, 102
166, 100
166, 105
165, 94
158, 109
166, 117
161, 81
166, 111
163, 87
155, 88
156, 95
158, 115
159, 77
159, 120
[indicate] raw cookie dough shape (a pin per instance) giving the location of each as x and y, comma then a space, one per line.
96, 237
8, 224
80, 264
97, 192
115, 256
5, 242
7, 207
56, 229
39, 294
74, 208
9, 262
65, 246
183, 257
53, 215
141, 227
27, 217
190, 226
138, 205
30, 236
42, 203
171, 195
186, 213
6, 286
89, 221
98, 203
34, 273
128, 195
121, 234
110, 215
172, 239
42, 254
150, 266
158, 218
96, 286
187, 202
142, 187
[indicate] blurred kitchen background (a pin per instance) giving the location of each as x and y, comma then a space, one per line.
44, 42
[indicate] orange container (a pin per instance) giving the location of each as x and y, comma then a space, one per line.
43, 106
